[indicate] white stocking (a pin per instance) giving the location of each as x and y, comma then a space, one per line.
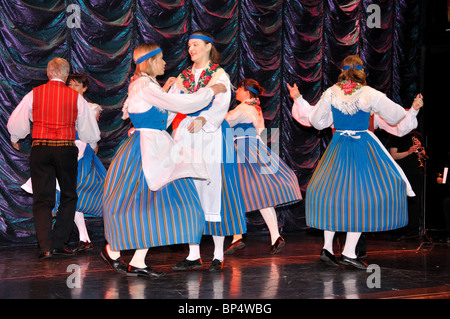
113, 254
270, 217
328, 237
194, 252
81, 226
350, 244
218, 247
138, 259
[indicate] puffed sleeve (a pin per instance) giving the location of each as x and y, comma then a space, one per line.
86, 124
154, 96
391, 112
321, 116
301, 111
406, 125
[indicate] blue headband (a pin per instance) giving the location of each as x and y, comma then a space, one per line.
251, 89
355, 67
148, 55
201, 37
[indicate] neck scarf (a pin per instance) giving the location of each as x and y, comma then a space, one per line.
188, 77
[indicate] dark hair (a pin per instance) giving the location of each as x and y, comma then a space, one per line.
80, 78
253, 84
214, 55
352, 73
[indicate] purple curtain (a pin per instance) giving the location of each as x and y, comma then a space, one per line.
275, 42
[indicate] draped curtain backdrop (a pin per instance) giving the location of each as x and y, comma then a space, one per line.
273, 41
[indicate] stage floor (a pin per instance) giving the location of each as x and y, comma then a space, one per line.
401, 269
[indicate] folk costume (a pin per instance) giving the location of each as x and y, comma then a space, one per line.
57, 113
357, 186
266, 181
221, 197
90, 178
264, 178
149, 196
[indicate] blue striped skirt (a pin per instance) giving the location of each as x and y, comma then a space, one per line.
91, 176
265, 179
136, 217
232, 214
356, 187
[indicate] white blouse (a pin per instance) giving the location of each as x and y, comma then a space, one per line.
163, 160
388, 115
245, 113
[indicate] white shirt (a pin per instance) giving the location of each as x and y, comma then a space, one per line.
86, 124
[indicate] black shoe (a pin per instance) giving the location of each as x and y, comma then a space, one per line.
328, 258
144, 272
216, 265
45, 255
239, 244
355, 262
83, 246
62, 251
115, 264
188, 264
276, 248
361, 246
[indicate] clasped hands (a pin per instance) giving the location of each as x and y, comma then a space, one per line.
197, 124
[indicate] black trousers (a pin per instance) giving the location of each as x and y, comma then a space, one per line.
48, 164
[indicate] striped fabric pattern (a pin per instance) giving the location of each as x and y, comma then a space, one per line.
90, 180
233, 220
265, 179
136, 217
91, 177
54, 111
356, 188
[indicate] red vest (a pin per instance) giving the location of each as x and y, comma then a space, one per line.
54, 111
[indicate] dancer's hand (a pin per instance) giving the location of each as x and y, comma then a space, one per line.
293, 91
169, 83
418, 102
218, 88
197, 124
15, 145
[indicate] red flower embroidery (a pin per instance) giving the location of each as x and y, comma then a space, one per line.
189, 81
349, 86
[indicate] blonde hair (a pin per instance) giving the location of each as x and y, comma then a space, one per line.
140, 51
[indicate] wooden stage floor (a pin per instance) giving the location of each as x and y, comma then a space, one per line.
401, 270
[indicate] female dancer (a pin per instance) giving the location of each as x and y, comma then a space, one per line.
266, 180
357, 186
149, 198
91, 174
206, 131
